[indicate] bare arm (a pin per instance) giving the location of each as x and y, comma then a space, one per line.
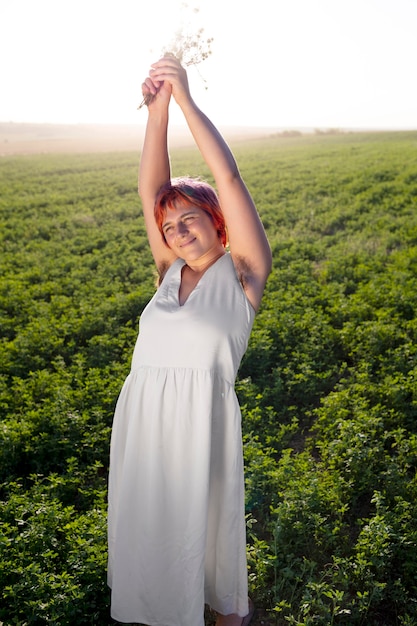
249, 246
154, 168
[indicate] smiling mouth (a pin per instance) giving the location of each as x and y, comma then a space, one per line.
187, 243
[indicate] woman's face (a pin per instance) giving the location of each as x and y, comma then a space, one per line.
190, 233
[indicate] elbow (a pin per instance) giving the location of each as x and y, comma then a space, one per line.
270, 260
267, 261
267, 265
140, 194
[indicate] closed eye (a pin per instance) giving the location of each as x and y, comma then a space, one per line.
186, 219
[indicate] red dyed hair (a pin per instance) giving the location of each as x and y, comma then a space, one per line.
190, 192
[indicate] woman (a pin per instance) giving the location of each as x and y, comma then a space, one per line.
176, 493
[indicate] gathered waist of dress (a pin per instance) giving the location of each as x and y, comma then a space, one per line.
181, 372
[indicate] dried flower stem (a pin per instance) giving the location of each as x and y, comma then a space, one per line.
189, 48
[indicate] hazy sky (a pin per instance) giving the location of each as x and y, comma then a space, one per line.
280, 63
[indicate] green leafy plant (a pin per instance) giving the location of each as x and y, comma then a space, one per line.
327, 388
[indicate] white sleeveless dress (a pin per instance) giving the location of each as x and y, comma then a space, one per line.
176, 520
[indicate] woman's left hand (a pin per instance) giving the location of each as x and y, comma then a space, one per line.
169, 69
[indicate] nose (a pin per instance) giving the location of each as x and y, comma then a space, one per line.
181, 229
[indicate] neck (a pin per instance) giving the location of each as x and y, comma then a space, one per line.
201, 265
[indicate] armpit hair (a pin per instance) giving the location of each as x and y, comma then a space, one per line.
243, 270
162, 270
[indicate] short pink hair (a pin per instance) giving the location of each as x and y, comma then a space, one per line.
190, 192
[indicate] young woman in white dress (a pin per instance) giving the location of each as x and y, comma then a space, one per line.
176, 494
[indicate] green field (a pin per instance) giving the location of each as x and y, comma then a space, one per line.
328, 386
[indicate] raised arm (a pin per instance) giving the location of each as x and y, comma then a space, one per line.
249, 246
154, 168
